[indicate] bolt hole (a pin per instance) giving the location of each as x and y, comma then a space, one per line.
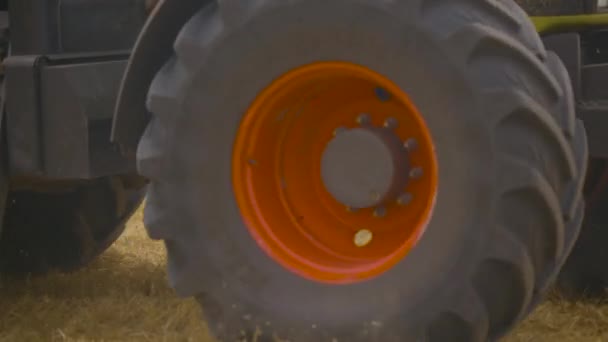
382, 94
405, 199
391, 123
339, 130
380, 212
411, 144
416, 173
364, 119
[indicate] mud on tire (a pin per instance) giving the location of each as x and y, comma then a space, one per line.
511, 162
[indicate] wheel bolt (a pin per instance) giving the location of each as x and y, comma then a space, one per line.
380, 212
391, 123
410, 144
405, 199
363, 238
339, 130
416, 173
364, 119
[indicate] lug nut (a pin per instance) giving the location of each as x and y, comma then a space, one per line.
364, 119
339, 130
405, 199
380, 212
410, 144
391, 123
363, 238
416, 173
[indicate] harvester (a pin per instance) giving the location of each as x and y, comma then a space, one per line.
319, 170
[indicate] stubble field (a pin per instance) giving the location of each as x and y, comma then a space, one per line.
124, 297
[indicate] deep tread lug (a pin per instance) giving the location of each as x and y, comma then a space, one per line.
196, 38
183, 271
150, 151
164, 97
507, 105
518, 179
508, 17
475, 44
567, 122
574, 192
509, 249
236, 12
156, 214
465, 320
505, 301
472, 10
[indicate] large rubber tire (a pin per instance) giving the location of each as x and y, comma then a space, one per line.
512, 160
64, 230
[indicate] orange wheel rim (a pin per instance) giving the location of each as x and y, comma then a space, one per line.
334, 172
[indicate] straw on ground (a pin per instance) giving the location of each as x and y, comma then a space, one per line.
125, 297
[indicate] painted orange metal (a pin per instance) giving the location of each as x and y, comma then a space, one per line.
276, 173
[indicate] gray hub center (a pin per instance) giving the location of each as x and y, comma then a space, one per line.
364, 167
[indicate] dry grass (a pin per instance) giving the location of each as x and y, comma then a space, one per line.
122, 297
125, 297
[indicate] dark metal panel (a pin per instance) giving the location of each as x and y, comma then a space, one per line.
78, 102
595, 117
595, 82
557, 7
153, 48
60, 110
589, 75
23, 109
100, 25
40, 27
33, 27
64, 126
87, 89
594, 45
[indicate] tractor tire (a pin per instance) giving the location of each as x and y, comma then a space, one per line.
64, 230
510, 156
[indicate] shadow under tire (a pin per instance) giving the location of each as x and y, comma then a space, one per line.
64, 230
511, 158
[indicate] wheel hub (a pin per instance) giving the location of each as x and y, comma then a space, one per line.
334, 195
365, 167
